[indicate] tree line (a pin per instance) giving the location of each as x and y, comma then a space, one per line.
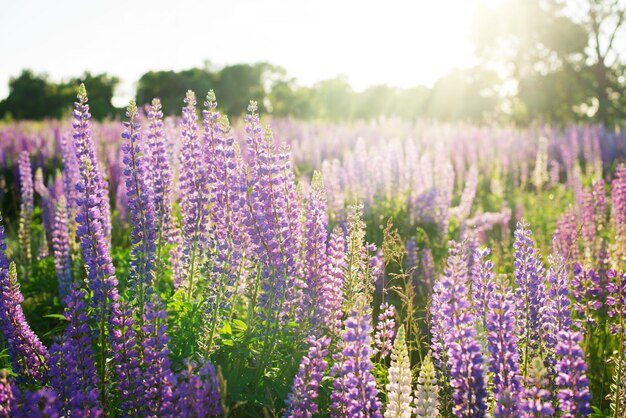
538, 60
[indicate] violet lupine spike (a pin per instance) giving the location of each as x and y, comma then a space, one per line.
316, 262
126, 362
47, 203
141, 205
197, 393
28, 355
193, 197
588, 226
41, 403
556, 312
502, 345
427, 392
530, 292
618, 209
535, 400
483, 282
385, 330
7, 397
331, 297
399, 390
91, 223
302, 401
161, 173
616, 302
158, 384
270, 218
71, 174
73, 370
464, 356
227, 216
599, 204
571, 379
355, 393
61, 249
565, 241
27, 206
588, 291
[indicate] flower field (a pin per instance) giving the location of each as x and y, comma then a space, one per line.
190, 267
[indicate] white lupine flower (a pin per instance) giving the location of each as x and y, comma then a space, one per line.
427, 391
399, 386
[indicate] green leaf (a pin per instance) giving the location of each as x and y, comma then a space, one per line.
57, 316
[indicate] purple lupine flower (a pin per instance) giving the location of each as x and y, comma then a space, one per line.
161, 171
158, 383
502, 345
556, 312
463, 351
226, 185
331, 293
141, 205
7, 397
573, 394
588, 225
61, 249
385, 330
47, 202
72, 367
530, 292
599, 204
91, 229
126, 361
27, 206
535, 400
399, 390
587, 289
618, 209
565, 240
301, 402
355, 393
41, 403
616, 302
71, 174
28, 355
469, 193
273, 218
197, 393
482, 282
194, 196
316, 261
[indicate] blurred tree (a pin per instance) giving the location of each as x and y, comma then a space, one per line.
560, 55
468, 94
333, 99
31, 96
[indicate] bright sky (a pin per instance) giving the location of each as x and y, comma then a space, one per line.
400, 43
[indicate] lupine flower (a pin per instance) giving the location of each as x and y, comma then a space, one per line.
273, 218
357, 281
126, 361
316, 261
587, 289
72, 368
530, 293
427, 391
61, 249
385, 330
399, 390
41, 403
141, 205
467, 197
158, 380
331, 294
302, 402
91, 230
161, 172
502, 345
28, 355
616, 302
535, 401
565, 240
556, 312
47, 202
7, 397
588, 225
573, 393
27, 207
193, 196
482, 277
355, 393
464, 357
227, 214
599, 204
197, 394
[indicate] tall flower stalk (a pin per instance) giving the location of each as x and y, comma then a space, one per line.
399, 390
27, 206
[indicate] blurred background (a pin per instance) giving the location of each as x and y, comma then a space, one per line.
508, 61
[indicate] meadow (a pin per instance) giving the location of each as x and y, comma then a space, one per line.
190, 267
